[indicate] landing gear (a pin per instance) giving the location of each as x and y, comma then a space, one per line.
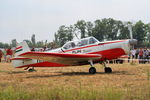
92, 69
107, 69
30, 69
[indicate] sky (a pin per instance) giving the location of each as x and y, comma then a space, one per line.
19, 19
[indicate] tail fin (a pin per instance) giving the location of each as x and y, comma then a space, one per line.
22, 48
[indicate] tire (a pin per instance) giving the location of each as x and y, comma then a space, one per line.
108, 70
92, 70
31, 70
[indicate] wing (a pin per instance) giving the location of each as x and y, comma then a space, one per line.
62, 58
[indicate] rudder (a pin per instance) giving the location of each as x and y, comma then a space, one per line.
22, 48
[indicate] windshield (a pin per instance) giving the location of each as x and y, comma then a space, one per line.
80, 43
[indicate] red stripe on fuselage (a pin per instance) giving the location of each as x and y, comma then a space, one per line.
64, 55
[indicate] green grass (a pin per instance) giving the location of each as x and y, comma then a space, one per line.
60, 93
70, 93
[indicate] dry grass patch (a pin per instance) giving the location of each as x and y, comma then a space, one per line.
127, 82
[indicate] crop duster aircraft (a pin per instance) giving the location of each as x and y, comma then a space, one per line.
74, 53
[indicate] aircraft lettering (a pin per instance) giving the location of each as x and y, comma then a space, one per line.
86, 51
76, 51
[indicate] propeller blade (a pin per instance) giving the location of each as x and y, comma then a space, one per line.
130, 30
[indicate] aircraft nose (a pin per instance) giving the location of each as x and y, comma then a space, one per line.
133, 42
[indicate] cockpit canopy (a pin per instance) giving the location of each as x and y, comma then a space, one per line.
80, 43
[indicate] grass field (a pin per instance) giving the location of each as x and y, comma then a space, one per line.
127, 82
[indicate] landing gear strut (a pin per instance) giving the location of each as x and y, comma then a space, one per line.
30, 69
92, 69
107, 69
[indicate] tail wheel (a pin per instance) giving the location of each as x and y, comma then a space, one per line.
108, 70
92, 70
31, 70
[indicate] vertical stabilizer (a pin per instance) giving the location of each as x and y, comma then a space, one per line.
22, 48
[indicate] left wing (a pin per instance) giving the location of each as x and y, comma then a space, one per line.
62, 58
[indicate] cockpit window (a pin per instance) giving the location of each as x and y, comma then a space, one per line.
84, 42
69, 45
92, 41
80, 43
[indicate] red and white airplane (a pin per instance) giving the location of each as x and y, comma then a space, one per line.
73, 53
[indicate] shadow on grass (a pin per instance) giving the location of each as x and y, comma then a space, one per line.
11, 72
17, 72
61, 74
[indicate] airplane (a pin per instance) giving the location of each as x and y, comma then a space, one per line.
73, 53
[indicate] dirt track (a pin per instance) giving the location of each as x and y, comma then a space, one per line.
124, 75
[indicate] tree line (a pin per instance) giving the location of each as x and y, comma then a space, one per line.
31, 42
102, 29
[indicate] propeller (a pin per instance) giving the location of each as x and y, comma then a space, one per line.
131, 41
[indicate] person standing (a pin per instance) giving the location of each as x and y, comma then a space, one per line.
129, 56
133, 52
141, 55
137, 53
1, 54
8, 55
146, 55
4, 54
33, 49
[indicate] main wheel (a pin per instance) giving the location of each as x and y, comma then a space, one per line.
31, 70
92, 70
108, 70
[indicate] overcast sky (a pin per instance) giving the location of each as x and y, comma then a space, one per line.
21, 18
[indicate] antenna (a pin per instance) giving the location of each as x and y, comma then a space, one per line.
130, 30
76, 36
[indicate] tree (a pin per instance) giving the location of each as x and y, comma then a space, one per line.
33, 40
40, 44
13, 43
110, 28
4, 45
106, 29
89, 27
139, 32
124, 31
28, 42
81, 28
148, 34
148, 38
63, 35
52, 45
97, 31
